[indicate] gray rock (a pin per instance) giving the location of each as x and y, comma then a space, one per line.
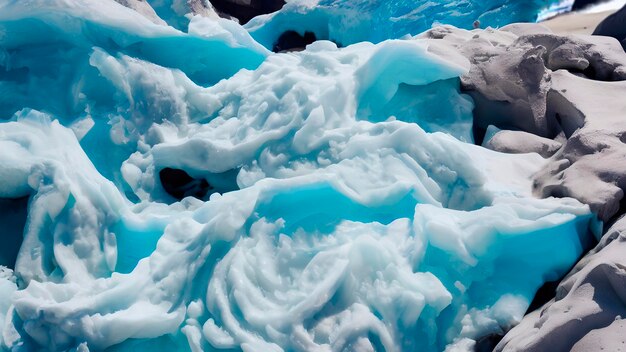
144, 8
519, 142
588, 310
565, 96
568, 56
591, 167
614, 26
526, 78
508, 82
510, 75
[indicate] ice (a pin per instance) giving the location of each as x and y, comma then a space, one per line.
378, 20
346, 206
331, 256
80, 25
177, 13
7, 288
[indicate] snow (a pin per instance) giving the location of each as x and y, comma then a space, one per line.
349, 210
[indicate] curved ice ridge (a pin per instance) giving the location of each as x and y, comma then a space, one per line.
362, 219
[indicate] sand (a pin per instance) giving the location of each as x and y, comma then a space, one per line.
576, 22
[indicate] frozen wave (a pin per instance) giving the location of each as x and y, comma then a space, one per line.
327, 259
347, 208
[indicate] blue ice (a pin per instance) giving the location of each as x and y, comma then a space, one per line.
351, 21
345, 207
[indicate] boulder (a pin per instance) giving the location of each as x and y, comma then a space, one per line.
519, 142
614, 26
565, 88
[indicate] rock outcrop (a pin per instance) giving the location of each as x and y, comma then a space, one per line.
563, 98
591, 165
564, 88
516, 142
614, 26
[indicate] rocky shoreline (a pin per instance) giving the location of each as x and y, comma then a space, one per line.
572, 110
207, 153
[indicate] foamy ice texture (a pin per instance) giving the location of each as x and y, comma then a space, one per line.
346, 208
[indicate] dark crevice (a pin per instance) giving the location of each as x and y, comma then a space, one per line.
13, 214
596, 72
581, 4
293, 41
590, 73
618, 215
488, 343
478, 134
180, 185
562, 115
543, 295
580, 73
246, 12
558, 119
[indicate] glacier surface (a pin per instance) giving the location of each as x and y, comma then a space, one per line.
350, 21
342, 205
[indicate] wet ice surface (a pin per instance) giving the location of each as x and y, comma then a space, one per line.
339, 203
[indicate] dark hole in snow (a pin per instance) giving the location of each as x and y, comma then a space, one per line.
179, 184
293, 41
487, 343
13, 213
245, 12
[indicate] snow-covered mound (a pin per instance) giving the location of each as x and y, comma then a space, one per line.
193, 191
